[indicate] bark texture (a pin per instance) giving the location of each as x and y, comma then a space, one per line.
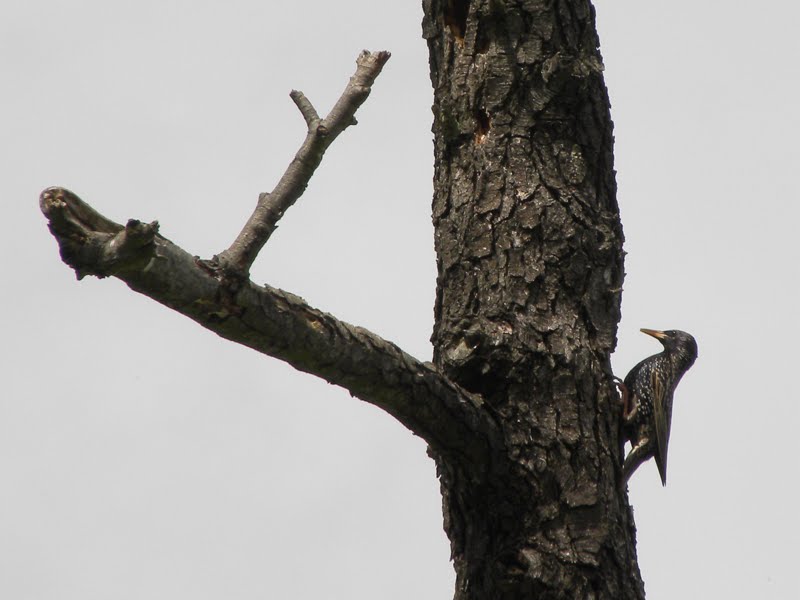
529, 247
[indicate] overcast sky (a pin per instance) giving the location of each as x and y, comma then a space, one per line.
142, 457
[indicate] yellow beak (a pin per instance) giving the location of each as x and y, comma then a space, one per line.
659, 335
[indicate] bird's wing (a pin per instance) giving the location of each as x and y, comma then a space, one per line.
662, 419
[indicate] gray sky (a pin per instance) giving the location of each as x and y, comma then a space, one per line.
142, 457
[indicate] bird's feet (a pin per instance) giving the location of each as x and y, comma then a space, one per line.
628, 408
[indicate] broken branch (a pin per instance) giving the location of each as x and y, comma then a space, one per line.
275, 323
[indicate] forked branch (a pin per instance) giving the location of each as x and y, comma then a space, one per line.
321, 133
216, 295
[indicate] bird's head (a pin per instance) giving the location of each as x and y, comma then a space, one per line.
676, 342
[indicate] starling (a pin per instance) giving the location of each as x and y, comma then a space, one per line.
647, 400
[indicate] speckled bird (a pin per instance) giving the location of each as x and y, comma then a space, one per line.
647, 394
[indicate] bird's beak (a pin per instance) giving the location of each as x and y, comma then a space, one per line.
659, 335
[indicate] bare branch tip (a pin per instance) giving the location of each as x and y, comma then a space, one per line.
54, 198
305, 107
373, 60
142, 230
378, 55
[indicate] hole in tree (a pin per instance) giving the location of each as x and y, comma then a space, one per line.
482, 39
482, 124
455, 17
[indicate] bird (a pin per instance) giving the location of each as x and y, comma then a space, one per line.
647, 394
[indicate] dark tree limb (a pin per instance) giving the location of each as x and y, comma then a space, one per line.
218, 295
321, 133
275, 323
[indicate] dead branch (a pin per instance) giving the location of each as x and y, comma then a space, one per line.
217, 295
321, 133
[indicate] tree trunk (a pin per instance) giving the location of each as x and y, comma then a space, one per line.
530, 264
519, 408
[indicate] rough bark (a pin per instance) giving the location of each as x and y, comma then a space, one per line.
529, 247
519, 409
